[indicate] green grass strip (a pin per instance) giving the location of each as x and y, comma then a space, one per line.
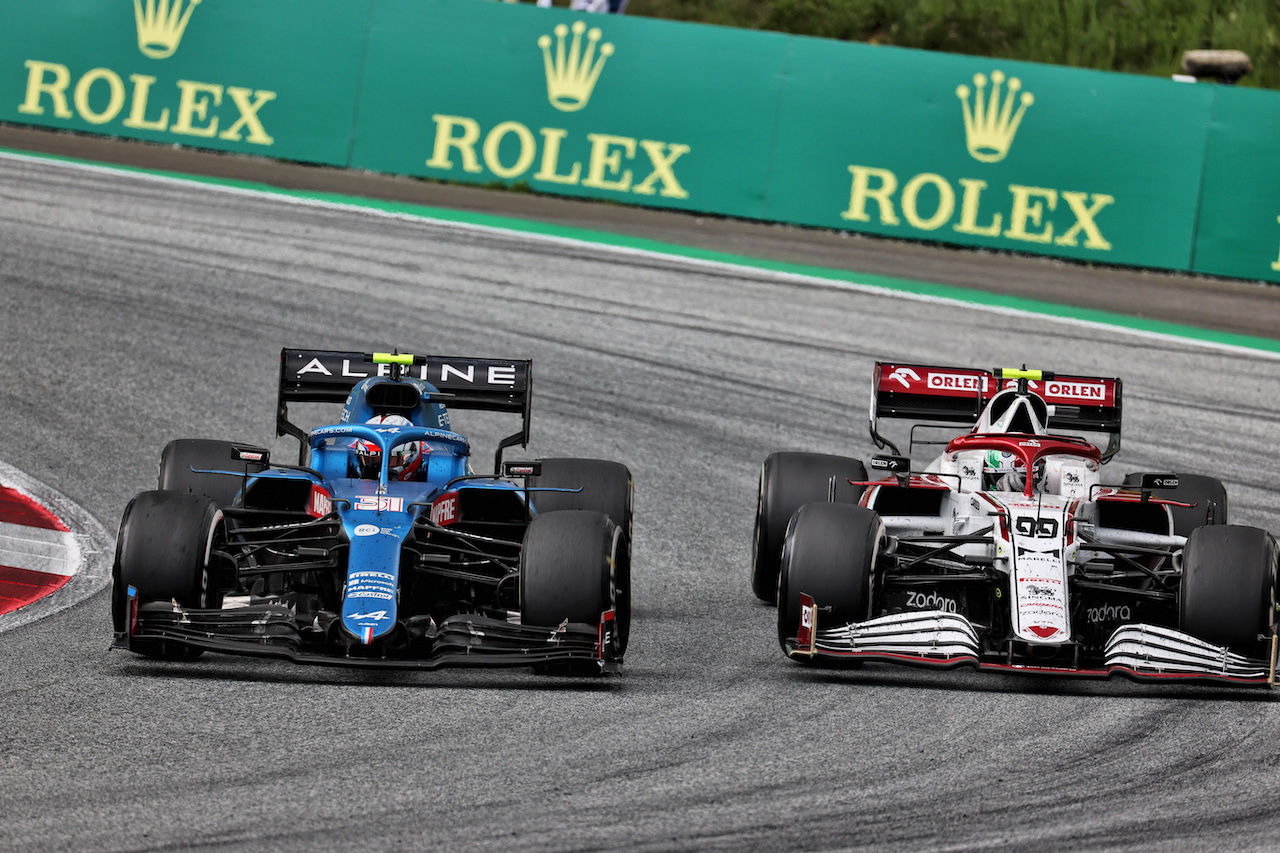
922, 289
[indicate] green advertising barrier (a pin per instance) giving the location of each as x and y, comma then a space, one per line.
1099, 167
1003, 155
1239, 233
277, 79
632, 110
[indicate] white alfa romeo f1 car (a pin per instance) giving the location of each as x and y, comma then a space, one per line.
1008, 552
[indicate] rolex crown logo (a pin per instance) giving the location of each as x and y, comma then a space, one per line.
572, 73
161, 24
989, 126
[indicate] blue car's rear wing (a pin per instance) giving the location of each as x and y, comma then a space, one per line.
327, 376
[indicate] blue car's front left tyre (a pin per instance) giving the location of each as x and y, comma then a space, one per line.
164, 551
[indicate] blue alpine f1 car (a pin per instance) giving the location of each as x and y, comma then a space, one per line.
381, 547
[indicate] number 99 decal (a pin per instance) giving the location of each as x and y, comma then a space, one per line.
1037, 528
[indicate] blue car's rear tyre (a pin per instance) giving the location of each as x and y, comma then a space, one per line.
567, 566
1228, 589
164, 551
829, 553
182, 455
788, 481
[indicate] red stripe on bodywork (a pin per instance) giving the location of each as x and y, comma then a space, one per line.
17, 508
19, 587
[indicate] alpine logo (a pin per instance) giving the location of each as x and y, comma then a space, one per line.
440, 373
375, 616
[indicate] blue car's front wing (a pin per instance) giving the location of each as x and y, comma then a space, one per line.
466, 640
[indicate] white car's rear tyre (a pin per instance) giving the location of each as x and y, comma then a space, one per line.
788, 481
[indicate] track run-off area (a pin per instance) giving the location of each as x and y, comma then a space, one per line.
137, 309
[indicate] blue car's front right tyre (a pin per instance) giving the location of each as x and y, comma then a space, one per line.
568, 566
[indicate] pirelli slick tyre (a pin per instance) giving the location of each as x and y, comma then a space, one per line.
1207, 494
164, 551
1228, 592
829, 553
788, 481
602, 486
182, 455
567, 571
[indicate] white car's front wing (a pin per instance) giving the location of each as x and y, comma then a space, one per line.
935, 638
927, 634
1153, 650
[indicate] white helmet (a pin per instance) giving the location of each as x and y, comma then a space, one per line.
1003, 471
406, 458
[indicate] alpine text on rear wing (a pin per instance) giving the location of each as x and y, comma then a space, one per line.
327, 376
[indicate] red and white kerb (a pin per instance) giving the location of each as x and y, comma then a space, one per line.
38, 554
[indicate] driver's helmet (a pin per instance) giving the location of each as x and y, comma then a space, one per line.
406, 458
1004, 472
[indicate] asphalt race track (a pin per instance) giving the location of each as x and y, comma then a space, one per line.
133, 311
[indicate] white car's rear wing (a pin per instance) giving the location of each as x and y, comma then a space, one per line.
957, 395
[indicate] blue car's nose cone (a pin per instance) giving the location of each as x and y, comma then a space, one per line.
373, 573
